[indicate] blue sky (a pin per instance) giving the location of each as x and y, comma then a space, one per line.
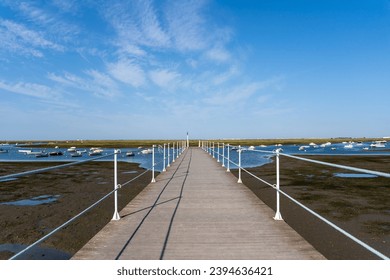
218, 69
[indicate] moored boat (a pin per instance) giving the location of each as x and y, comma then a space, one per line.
95, 151
57, 153
41, 154
72, 149
378, 144
146, 151
24, 151
76, 154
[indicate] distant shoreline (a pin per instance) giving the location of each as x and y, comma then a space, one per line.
193, 142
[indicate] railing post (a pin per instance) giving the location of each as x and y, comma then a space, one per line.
278, 216
164, 169
173, 152
168, 156
177, 146
223, 154
239, 165
218, 152
116, 216
213, 149
153, 179
228, 158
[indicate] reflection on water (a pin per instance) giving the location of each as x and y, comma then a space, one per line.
36, 253
354, 175
38, 200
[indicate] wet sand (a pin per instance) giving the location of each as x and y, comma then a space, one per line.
75, 188
361, 206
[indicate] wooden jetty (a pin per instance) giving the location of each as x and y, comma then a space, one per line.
197, 211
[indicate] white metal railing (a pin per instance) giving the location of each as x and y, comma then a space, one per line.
209, 147
117, 186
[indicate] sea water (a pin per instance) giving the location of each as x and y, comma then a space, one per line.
257, 157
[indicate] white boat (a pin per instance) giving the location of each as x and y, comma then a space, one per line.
262, 146
365, 148
34, 153
278, 145
378, 144
333, 148
72, 149
76, 154
325, 144
25, 151
2, 151
303, 148
146, 151
312, 144
348, 146
251, 148
130, 154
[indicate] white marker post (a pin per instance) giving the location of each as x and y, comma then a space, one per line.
239, 165
153, 179
164, 169
278, 215
116, 216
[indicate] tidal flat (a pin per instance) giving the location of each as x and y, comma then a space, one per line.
361, 206
74, 188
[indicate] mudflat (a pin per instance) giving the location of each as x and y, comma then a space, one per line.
361, 206
32, 206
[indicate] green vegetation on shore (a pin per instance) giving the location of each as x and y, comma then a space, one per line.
193, 143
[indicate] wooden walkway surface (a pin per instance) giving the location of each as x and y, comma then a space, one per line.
196, 210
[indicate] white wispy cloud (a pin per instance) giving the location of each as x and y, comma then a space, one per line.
95, 82
102, 84
240, 93
186, 25
223, 77
66, 5
18, 38
218, 54
137, 25
50, 22
180, 26
127, 72
31, 89
165, 78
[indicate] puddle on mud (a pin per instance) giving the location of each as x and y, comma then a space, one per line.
35, 253
38, 200
354, 175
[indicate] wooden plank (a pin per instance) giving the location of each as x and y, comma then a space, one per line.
196, 210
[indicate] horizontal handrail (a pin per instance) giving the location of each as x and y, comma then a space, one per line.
382, 174
63, 225
42, 170
378, 173
345, 233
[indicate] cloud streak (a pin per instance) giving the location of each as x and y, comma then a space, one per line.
30, 89
97, 83
18, 38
